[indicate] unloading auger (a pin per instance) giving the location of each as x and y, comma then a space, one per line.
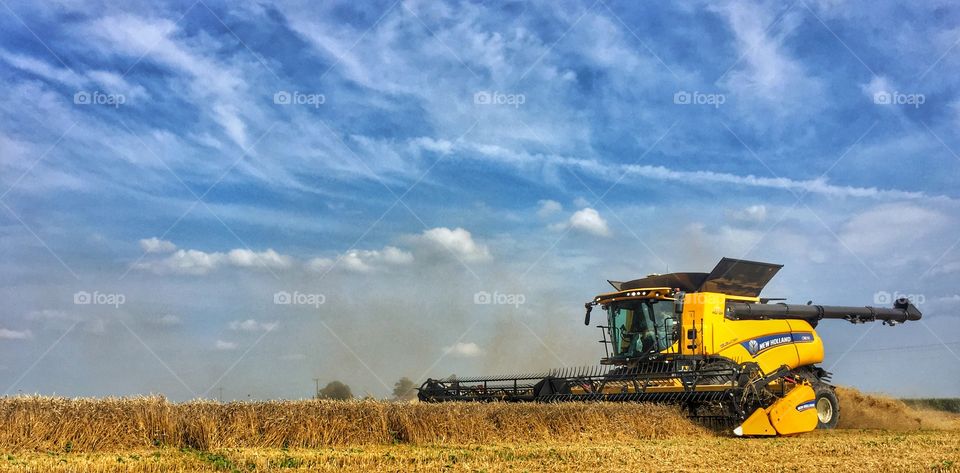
704, 341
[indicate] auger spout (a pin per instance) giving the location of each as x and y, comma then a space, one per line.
902, 311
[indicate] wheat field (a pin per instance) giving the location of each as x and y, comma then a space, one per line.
150, 434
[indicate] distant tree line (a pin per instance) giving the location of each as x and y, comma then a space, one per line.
403, 390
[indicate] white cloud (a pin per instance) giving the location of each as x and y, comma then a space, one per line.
816, 186
367, 260
194, 262
548, 208
225, 345
580, 202
156, 245
251, 325
363, 261
430, 144
464, 349
890, 229
612, 172
245, 258
320, 264
589, 221
443, 241
42, 69
765, 70
751, 214
197, 262
208, 79
877, 85
110, 82
7, 334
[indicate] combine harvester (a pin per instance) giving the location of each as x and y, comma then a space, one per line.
707, 342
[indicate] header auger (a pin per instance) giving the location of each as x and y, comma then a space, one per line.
704, 341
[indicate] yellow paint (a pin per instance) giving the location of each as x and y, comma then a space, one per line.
756, 425
785, 417
717, 335
704, 313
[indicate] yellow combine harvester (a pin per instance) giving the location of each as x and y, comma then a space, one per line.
705, 341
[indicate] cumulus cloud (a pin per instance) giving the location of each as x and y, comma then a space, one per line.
877, 85
194, 262
7, 334
751, 214
548, 208
245, 258
156, 245
464, 349
197, 262
589, 221
364, 261
251, 325
224, 345
443, 241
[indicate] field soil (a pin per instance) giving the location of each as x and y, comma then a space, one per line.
152, 435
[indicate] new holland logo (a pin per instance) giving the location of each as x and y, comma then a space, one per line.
760, 344
806, 405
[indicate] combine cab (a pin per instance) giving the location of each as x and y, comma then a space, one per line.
705, 341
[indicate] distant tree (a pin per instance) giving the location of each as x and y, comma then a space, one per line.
335, 390
404, 390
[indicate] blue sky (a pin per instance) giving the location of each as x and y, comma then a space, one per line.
393, 159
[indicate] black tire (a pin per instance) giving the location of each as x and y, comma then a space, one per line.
827, 406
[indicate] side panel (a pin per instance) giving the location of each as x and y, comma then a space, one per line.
769, 343
807, 353
769, 346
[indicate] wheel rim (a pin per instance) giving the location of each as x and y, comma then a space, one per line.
824, 410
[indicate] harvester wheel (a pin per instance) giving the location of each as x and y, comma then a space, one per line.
827, 405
